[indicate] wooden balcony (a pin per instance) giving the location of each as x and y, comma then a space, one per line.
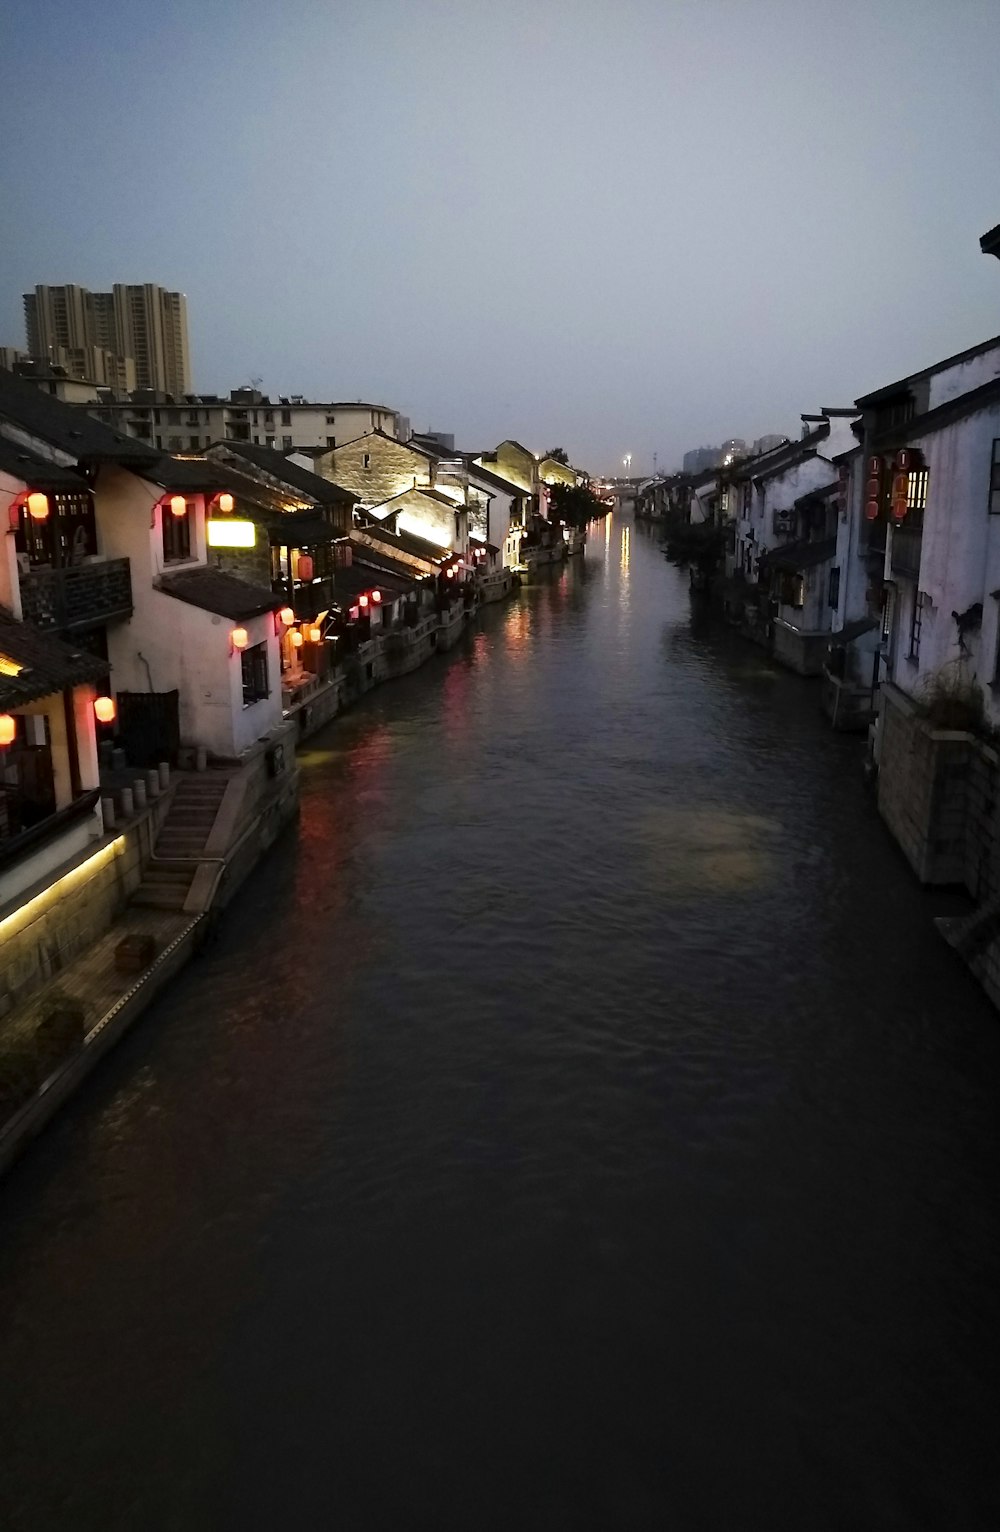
79, 597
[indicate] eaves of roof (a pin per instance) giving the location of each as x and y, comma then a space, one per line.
927, 372
943, 415
47, 664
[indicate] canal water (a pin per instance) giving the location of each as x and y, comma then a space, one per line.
577, 1124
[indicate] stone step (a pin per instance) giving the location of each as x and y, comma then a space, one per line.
179, 848
167, 875
157, 898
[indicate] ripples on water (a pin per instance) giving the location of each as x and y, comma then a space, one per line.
576, 1125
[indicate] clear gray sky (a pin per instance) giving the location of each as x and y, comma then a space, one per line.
631, 226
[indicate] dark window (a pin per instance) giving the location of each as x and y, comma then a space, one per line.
254, 663
194, 442
916, 622
366, 460
286, 442
833, 596
173, 444
995, 480
286, 417
330, 420
331, 441
176, 535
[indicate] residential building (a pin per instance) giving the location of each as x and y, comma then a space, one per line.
86, 370
192, 422
139, 321
922, 552
785, 509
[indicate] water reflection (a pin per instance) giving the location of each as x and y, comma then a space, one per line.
577, 1114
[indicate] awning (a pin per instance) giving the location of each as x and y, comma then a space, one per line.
802, 555
852, 630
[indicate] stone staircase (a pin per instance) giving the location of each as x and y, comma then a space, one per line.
167, 880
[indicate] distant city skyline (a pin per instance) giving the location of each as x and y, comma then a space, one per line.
543, 232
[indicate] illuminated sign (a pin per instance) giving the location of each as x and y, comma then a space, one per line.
231, 533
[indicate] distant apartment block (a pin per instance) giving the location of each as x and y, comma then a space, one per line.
134, 336
192, 422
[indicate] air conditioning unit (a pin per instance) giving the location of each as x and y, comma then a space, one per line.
784, 522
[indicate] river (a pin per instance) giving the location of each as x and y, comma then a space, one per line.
576, 1124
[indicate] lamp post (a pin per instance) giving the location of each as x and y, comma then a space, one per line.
627, 460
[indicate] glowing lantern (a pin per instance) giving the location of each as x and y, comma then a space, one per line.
909, 458
8, 730
305, 566
874, 465
296, 638
178, 505
376, 597
450, 573
38, 505
105, 709
871, 510
362, 602
226, 501
354, 613
286, 616
315, 635
240, 638
874, 489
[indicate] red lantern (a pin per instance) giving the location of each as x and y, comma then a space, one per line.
226, 501
305, 567
105, 709
178, 505
909, 458
875, 465
376, 597
362, 602
353, 614
8, 730
898, 507
240, 638
871, 510
38, 505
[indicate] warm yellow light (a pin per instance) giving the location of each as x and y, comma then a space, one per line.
9, 667
315, 635
58, 889
38, 505
296, 638
8, 730
286, 616
178, 505
231, 534
226, 501
240, 638
105, 709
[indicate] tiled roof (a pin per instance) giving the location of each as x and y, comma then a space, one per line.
67, 426
299, 529
225, 594
418, 547
270, 461
350, 582
382, 562
418, 489
49, 665
802, 555
36, 471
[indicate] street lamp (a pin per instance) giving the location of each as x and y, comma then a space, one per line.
627, 460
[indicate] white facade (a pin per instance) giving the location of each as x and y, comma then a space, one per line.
192, 424
959, 568
171, 644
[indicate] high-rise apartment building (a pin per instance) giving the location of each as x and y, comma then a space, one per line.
140, 322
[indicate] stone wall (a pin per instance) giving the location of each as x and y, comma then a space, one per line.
51, 924
922, 789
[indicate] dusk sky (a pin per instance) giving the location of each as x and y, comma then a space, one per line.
634, 226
